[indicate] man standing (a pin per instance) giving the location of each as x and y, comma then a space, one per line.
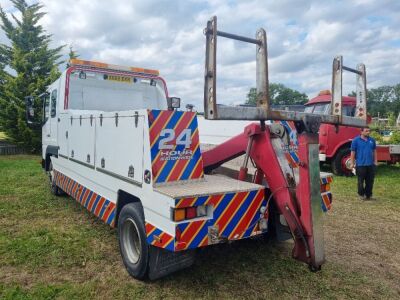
363, 151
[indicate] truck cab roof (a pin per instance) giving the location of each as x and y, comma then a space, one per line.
325, 97
95, 86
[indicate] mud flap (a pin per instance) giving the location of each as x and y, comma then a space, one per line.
163, 262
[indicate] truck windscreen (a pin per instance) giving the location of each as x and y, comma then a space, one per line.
324, 108
91, 90
319, 108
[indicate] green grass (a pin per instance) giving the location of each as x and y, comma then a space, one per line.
51, 248
386, 185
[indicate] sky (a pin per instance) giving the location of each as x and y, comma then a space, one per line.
303, 38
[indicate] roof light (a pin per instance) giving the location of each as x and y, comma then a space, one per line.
80, 62
324, 92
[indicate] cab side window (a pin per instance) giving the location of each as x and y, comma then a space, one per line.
46, 107
53, 103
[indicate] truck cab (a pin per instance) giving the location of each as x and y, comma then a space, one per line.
334, 141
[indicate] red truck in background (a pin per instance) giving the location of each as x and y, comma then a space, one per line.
334, 142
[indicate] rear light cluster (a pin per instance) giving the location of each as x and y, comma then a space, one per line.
187, 213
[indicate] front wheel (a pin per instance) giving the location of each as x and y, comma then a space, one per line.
341, 163
132, 240
55, 190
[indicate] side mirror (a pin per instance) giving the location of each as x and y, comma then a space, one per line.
173, 103
30, 112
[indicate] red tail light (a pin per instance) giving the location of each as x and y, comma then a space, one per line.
191, 213
180, 214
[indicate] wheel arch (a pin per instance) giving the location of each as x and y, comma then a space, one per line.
123, 199
344, 144
50, 151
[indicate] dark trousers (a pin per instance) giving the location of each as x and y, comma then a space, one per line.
365, 174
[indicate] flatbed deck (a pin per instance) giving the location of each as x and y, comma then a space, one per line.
209, 185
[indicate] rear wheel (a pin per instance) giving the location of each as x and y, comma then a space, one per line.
55, 190
132, 240
341, 163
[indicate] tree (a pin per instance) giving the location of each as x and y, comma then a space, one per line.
252, 96
3, 74
33, 66
279, 94
383, 100
391, 119
71, 55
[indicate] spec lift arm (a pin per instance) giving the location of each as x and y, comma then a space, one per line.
299, 202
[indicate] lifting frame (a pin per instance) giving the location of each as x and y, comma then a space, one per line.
263, 110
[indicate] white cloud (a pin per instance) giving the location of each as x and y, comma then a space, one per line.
303, 37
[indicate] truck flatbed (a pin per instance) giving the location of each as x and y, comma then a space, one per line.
209, 185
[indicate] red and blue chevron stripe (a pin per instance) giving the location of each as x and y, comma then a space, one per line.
182, 166
236, 216
158, 238
326, 203
326, 196
291, 153
96, 204
326, 179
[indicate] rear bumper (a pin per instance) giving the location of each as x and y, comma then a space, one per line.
236, 210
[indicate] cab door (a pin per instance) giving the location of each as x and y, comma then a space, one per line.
53, 117
49, 129
46, 121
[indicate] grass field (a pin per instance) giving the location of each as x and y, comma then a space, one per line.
52, 248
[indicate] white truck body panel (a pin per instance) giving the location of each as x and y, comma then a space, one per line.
81, 139
119, 152
63, 134
226, 130
125, 139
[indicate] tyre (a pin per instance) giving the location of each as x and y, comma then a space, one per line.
132, 240
341, 161
55, 190
314, 269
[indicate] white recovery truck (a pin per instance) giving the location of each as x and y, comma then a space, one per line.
115, 141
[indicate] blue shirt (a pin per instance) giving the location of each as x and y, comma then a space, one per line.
364, 150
